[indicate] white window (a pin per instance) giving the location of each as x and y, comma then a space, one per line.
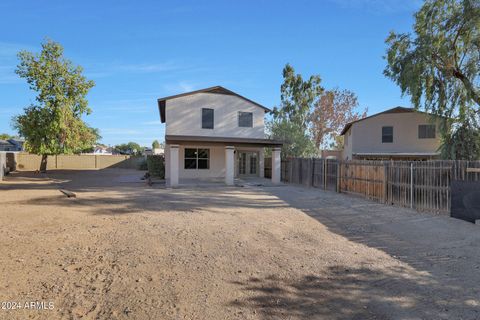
245, 119
426, 131
387, 134
197, 158
207, 118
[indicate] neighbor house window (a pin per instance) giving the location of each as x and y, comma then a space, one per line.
207, 118
197, 158
387, 134
426, 131
245, 119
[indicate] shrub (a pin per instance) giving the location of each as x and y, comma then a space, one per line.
143, 165
156, 166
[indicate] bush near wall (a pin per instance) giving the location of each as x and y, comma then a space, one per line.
156, 166
143, 165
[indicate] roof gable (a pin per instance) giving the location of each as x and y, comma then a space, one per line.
216, 90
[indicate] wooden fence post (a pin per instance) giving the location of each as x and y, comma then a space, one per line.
385, 182
338, 176
290, 165
411, 185
313, 172
325, 174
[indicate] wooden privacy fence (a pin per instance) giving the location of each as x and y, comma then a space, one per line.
319, 173
422, 185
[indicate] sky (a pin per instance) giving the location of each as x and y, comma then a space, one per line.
138, 51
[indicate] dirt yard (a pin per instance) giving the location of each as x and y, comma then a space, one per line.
123, 250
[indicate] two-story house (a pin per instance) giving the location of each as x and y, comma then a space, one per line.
215, 133
399, 133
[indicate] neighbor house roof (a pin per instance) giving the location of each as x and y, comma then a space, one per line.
216, 89
393, 110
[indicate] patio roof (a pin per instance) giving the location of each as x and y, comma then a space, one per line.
223, 140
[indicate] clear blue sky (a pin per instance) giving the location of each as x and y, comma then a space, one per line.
138, 51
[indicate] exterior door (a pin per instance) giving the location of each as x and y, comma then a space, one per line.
247, 163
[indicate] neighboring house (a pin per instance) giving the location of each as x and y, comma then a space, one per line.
215, 133
399, 133
331, 154
153, 151
5, 145
102, 150
11, 145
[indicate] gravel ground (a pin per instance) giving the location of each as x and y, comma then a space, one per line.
123, 250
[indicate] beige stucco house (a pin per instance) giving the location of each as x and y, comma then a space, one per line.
399, 133
215, 133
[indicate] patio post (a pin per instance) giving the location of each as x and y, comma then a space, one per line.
261, 163
229, 165
173, 165
276, 163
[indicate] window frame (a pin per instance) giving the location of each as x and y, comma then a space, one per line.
240, 113
427, 129
203, 118
385, 135
196, 158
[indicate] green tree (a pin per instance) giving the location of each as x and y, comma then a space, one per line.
132, 148
155, 144
291, 122
297, 142
5, 136
53, 124
298, 97
439, 67
462, 141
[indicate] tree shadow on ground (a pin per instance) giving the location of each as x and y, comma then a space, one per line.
354, 293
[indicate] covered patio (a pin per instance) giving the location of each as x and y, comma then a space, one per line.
200, 160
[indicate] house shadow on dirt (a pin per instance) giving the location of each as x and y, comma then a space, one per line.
443, 250
121, 191
354, 293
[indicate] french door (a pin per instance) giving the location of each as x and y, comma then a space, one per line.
247, 163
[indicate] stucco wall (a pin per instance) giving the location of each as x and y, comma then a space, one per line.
217, 162
216, 168
3, 164
367, 134
347, 145
184, 116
